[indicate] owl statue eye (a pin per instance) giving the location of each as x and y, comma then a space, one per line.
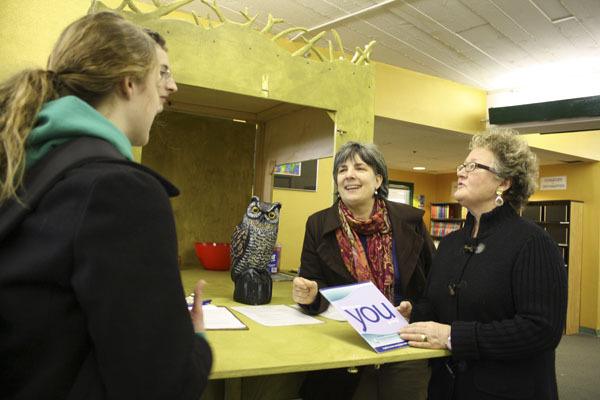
271, 215
255, 209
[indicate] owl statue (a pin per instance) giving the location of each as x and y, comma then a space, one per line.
252, 245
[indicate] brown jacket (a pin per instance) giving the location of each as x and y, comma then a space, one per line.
322, 262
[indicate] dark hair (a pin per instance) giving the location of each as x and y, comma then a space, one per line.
371, 155
157, 37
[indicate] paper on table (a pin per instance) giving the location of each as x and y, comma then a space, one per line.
276, 315
333, 313
220, 318
329, 313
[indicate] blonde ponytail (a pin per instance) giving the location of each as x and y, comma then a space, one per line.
90, 59
21, 98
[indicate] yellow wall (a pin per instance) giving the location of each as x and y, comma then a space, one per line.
582, 144
422, 99
443, 188
296, 207
29, 30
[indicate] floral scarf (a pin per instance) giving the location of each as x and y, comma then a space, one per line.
375, 264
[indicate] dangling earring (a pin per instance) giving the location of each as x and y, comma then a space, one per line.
499, 200
375, 192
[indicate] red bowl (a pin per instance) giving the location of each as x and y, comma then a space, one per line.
213, 256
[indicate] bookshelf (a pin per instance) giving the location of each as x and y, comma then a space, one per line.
445, 218
563, 220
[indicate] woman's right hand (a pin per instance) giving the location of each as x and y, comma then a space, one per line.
304, 290
405, 308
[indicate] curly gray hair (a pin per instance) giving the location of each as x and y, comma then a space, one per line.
371, 155
514, 161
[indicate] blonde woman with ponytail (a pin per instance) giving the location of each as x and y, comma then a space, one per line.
91, 303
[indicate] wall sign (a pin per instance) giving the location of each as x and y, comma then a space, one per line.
553, 183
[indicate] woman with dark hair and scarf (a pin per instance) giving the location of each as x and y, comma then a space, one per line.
364, 237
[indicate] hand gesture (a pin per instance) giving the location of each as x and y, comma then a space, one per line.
304, 290
405, 309
196, 311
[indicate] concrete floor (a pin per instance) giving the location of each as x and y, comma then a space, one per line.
578, 367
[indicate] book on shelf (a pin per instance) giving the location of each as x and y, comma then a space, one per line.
442, 228
440, 211
447, 211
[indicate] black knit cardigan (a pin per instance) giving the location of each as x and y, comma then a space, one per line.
504, 293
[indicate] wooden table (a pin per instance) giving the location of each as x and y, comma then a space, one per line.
263, 350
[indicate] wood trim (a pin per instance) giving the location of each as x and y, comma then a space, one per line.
574, 271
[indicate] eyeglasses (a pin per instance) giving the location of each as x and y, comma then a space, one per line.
165, 74
470, 167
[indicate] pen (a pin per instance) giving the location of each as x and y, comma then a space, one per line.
204, 302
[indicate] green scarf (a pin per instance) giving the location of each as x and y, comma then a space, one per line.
68, 118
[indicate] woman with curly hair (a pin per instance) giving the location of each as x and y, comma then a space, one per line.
497, 291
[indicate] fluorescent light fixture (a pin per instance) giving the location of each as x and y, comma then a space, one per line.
243, 121
546, 82
419, 168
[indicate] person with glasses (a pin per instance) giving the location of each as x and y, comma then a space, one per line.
364, 237
91, 299
167, 85
497, 293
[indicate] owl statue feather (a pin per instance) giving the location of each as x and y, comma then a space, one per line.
252, 245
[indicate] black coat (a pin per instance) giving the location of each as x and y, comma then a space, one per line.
507, 312
322, 261
91, 301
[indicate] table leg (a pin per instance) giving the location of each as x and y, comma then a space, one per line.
233, 389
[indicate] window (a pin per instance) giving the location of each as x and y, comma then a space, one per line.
401, 192
296, 175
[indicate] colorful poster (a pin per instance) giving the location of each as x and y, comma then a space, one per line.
369, 312
292, 169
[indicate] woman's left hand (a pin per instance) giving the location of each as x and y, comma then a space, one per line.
196, 312
426, 335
